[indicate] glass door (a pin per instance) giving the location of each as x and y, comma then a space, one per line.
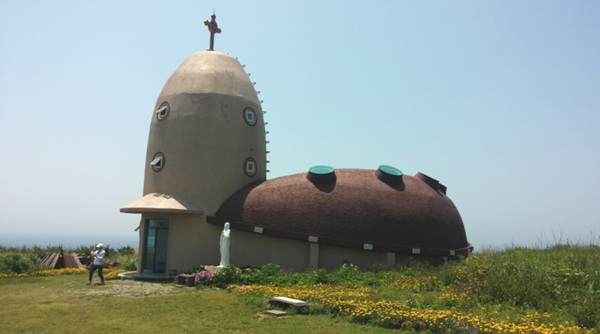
155, 246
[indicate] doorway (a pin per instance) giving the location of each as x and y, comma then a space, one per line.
155, 246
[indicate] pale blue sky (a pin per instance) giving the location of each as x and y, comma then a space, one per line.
499, 100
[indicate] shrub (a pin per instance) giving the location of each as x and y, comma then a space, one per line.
321, 276
561, 278
227, 276
126, 250
204, 277
348, 272
18, 262
265, 275
83, 250
129, 263
585, 309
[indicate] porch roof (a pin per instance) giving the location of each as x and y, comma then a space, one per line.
158, 202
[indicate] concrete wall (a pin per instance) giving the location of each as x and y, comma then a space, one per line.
251, 249
193, 242
205, 138
332, 257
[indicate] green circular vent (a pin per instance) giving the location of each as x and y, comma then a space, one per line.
321, 170
389, 170
321, 175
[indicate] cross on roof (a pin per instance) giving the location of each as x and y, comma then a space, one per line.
214, 29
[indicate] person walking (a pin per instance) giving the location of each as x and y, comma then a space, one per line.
98, 263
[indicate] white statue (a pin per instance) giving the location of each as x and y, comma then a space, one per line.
224, 246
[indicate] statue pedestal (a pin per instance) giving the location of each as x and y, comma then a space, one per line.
213, 269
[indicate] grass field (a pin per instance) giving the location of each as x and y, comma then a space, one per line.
64, 304
517, 290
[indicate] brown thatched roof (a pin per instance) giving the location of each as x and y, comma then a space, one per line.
351, 208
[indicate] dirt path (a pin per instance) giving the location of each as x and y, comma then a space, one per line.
132, 289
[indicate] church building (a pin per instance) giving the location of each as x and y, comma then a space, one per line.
206, 165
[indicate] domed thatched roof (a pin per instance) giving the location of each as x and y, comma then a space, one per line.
357, 208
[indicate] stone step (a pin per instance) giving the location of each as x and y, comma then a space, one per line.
277, 313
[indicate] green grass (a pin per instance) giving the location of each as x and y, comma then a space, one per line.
528, 290
64, 304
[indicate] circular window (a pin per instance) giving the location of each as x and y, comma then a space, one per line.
158, 162
162, 111
250, 116
250, 167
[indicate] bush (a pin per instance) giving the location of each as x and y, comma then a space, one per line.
129, 263
562, 278
126, 250
348, 272
228, 276
83, 250
18, 262
204, 278
268, 274
585, 310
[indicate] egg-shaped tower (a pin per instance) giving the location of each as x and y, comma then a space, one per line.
206, 141
207, 131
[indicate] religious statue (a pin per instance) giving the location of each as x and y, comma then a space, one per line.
224, 246
213, 28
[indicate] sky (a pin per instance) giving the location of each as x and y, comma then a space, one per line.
499, 100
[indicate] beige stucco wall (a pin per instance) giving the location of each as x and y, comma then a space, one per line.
251, 249
205, 138
193, 242
332, 257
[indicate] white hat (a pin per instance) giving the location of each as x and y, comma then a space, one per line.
99, 245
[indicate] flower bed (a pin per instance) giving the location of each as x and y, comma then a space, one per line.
354, 302
108, 273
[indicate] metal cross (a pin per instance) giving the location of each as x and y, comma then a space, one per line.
214, 29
